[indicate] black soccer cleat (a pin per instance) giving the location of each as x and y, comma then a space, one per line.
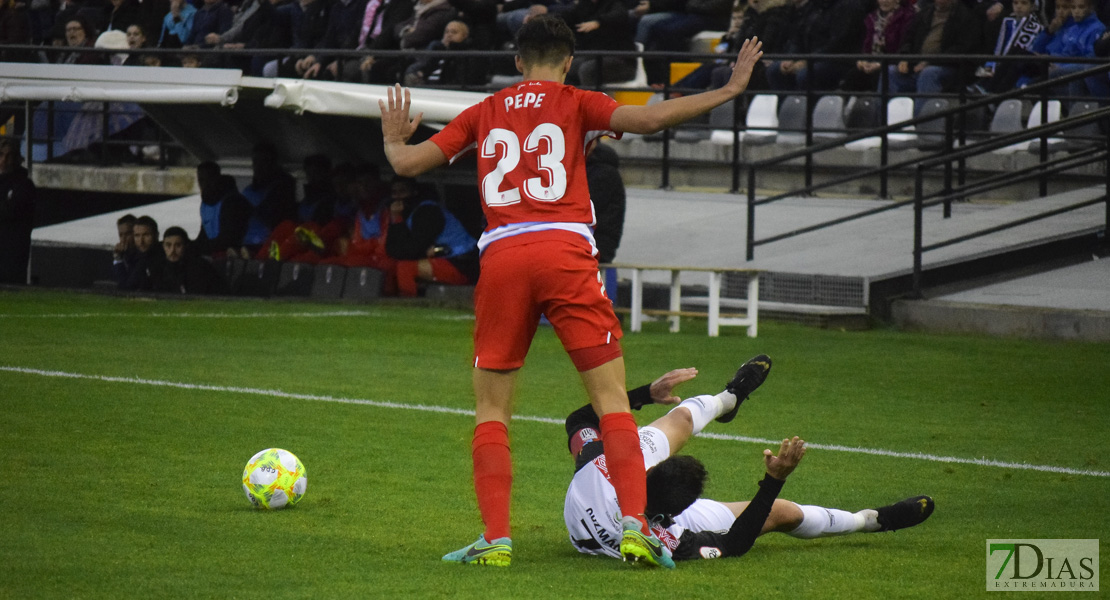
748, 377
907, 513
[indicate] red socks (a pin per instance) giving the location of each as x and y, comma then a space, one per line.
626, 463
493, 476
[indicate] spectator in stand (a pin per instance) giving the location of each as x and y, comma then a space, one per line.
17, 214
136, 40
123, 253
272, 195
1075, 38
990, 14
600, 25
769, 20
1015, 38
224, 212
148, 259
364, 243
182, 271
342, 33
946, 27
454, 69
885, 29
65, 11
214, 17
177, 26
314, 231
40, 21
823, 27
480, 17
120, 14
428, 243
80, 33
308, 21
381, 21
672, 30
235, 33
270, 26
15, 28
115, 40
513, 14
429, 19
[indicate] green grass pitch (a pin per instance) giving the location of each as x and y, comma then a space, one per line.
124, 482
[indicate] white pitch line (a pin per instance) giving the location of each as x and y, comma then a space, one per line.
983, 462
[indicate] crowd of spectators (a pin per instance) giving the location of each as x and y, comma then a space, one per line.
817, 27
345, 215
1012, 28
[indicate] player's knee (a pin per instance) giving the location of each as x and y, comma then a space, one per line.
785, 515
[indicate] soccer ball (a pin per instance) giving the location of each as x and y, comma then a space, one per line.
274, 478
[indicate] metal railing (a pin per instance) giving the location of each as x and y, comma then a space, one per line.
949, 116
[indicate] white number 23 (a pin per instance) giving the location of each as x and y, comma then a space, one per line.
506, 144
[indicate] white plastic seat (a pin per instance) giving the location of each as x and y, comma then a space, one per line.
640, 80
760, 123
1034, 121
897, 110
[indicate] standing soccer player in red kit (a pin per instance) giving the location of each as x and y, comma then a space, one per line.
538, 257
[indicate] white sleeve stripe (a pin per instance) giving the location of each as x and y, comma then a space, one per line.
472, 146
593, 135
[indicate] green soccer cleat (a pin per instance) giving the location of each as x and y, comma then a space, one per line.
748, 377
642, 549
498, 553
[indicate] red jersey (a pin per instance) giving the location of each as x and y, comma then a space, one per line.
531, 140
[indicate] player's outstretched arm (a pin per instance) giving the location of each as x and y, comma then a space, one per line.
397, 128
660, 116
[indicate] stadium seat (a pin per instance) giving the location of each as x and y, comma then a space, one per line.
640, 80
1090, 130
792, 120
829, 115
232, 270
1007, 119
327, 281
260, 277
897, 110
1054, 143
931, 133
363, 283
861, 112
295, 280
760, 124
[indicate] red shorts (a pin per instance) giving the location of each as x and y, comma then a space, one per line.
551, 273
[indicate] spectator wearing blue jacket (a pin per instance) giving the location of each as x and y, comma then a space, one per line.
1075, 38
177, 26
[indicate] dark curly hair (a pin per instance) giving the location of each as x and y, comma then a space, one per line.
674, 484
544, 40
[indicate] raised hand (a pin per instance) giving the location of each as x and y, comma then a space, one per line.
661, 388
396, 126
750, 54
790, 454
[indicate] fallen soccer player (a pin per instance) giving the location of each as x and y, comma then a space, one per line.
689, 526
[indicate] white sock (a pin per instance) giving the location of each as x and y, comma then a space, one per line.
704, 409
728, 401
818, 521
